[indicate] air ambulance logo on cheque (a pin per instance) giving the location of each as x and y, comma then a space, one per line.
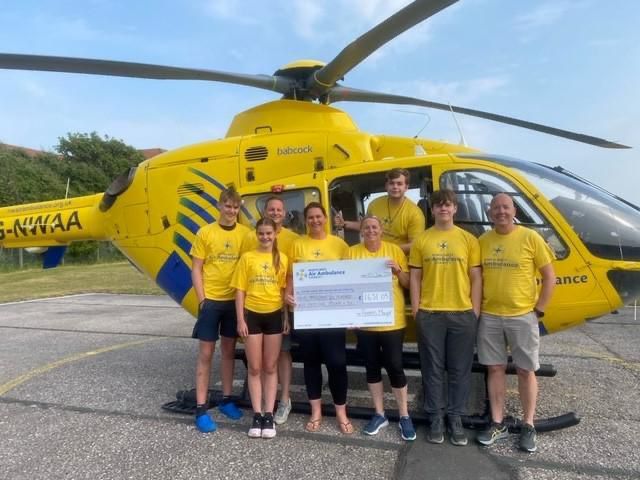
301, 275
322, 272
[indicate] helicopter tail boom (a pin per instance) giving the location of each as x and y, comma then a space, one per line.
52, 223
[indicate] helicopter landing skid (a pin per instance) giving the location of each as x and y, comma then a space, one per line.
185, 402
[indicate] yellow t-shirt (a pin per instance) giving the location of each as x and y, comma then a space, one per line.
392, 252
286, 238
220, 250
307, 249
509, 266
445, 257
399, 225
256, 276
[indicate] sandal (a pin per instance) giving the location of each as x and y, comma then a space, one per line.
346, 428
313, 425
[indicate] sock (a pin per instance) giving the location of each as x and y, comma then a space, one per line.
201, 409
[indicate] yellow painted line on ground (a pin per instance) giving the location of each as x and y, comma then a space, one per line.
10, 385
627, 364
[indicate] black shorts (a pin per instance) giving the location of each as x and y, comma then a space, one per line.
265, 323
215, 318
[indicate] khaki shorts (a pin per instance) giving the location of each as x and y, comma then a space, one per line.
521, 333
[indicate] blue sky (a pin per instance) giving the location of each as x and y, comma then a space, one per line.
573, 64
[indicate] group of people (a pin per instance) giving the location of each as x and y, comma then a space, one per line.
464, 292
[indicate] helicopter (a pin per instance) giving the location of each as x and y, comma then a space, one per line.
302, 148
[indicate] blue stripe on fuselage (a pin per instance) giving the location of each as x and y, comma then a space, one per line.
174, 277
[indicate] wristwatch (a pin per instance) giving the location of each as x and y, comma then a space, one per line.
539, 313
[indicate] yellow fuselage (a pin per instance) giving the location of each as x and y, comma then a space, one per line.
283, 145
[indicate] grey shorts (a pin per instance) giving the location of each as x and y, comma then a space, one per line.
521, 333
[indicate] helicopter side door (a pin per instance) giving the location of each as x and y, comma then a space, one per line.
350, 195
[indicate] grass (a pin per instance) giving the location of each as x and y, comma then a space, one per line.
68, 280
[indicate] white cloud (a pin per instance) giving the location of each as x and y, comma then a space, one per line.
305, 20
34, 89
542, 16
229, 10
459, 92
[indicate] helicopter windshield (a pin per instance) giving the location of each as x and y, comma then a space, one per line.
608, 226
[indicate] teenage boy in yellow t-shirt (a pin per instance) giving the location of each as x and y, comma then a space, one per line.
402, 220
214, 254
446, 291
511, 307
274, 209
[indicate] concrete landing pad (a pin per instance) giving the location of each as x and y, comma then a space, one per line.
82, 380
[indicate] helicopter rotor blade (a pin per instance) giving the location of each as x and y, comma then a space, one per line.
346, 94
46, 63
358, 50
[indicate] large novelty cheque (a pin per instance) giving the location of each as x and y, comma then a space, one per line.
345, 293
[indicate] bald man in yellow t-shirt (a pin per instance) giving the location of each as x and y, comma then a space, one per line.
446, 290
512, 255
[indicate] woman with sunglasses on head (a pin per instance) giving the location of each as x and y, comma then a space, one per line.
382, 346
322, 345
260, 280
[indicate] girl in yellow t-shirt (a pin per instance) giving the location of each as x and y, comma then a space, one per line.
259, 280
382, 346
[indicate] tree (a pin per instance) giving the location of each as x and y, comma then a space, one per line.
28, 179
91, 162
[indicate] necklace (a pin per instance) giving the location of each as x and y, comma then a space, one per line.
390, 219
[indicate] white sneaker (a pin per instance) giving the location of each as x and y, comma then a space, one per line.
283, 411
268, 428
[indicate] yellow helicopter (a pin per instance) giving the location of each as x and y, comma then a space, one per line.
304, 149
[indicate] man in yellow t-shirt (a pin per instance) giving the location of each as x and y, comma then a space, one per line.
511, 307
446, 292
402, 220
214, 254
275, 209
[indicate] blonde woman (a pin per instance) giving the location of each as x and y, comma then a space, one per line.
382, 346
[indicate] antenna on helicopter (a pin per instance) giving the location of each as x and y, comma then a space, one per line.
425, 114
463, 141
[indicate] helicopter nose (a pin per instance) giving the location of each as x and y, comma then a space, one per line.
626, 283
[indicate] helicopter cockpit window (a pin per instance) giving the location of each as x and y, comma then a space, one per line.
476, 188
294, 201
608, 226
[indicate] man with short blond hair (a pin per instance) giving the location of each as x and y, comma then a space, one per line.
215, 253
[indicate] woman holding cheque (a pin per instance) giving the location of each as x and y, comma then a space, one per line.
322, 345
259, 280
382, 346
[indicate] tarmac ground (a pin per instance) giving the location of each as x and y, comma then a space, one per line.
83, 378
